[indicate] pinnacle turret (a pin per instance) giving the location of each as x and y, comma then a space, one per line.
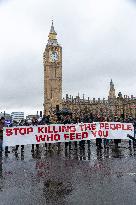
52, 36
52, 30
112, 90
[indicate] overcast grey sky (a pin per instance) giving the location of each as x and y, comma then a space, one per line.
98, 39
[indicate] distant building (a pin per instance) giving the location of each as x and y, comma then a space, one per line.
120, 106
17, 116
5, 115
30, 117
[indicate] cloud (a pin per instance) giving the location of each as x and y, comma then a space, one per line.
98, 40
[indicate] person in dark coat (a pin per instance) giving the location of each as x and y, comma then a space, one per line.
2, 124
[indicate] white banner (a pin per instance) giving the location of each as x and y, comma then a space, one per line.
64, 133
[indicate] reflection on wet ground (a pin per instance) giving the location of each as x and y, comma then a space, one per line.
69, 176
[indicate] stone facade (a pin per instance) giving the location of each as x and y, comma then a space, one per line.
119, 106
113, 106
52, 60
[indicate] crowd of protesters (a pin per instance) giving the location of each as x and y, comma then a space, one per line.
69, 118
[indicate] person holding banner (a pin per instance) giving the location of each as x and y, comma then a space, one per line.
67, 120
1, 134
34, 123
134, 124
2, 124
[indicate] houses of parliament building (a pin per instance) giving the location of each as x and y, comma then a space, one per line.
112, 106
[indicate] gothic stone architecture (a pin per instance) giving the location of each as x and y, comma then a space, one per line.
114, 106
52, 59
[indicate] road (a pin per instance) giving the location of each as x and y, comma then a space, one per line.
69, 177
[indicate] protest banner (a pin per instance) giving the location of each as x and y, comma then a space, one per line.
64, 133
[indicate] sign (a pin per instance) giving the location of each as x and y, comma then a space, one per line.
8, 122
64, 133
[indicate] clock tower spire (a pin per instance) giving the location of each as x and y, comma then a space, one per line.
111, 91
52, 60
52, 34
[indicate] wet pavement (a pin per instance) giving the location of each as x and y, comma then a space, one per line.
69, 177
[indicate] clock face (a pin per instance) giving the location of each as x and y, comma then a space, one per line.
54, 56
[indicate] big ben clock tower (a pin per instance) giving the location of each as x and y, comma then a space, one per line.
52, 60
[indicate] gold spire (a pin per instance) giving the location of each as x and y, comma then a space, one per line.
52, 34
